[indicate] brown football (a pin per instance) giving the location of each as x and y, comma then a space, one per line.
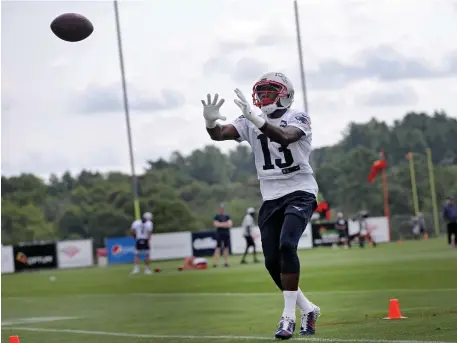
72, 27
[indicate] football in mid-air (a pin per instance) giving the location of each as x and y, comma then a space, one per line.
72, 27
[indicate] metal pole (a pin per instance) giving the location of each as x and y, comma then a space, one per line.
431, 176
300, 57
412, 174
386, 193
136, 203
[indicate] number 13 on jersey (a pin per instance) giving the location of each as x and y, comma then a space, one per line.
278, 162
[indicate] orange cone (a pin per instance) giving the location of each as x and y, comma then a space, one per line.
394, 310
14, 339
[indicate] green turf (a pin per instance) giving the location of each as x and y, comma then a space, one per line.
352, 287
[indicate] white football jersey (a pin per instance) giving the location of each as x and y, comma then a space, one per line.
142, 230
247, 224
281, 170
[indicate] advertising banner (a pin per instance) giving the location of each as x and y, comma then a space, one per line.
238, 242
77, 253
377, 226
35, 256
203, 243
7, 259
165, 246
120, 250
324, 234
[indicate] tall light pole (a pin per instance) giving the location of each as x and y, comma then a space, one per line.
431, 176
302, 69
136, 202
300, 57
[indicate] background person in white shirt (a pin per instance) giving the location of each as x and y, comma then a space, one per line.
248, 224
141, 230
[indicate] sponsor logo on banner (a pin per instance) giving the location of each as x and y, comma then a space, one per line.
22, 258
7, 259
70, 251
35, 256
116, 249
203, 243
120, 250
166, 246
77, 253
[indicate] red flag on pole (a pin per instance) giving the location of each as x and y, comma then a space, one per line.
323, 208
380, 166
376, 168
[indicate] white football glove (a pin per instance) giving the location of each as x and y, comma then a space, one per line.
243, 104
211, 111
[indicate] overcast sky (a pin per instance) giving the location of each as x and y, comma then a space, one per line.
61, 102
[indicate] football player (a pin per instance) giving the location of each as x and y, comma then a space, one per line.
248, 224
281, 141
141, 230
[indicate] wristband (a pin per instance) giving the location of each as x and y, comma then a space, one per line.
257, 121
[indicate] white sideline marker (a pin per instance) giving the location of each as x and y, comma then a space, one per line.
228, 337
229, 294
33, 320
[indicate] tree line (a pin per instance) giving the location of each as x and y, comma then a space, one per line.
183, 192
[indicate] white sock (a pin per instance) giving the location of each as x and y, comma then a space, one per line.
290, 301
303, 303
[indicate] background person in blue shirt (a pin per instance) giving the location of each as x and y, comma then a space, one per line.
223, 223
450, 216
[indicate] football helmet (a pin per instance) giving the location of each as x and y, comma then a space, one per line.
273, 91
147, 216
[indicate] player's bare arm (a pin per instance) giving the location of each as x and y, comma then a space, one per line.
218, 224
224, 225
283, 136
223, 132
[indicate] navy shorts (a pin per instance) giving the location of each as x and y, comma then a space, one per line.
273, 212
142, 245
249, 241
223, 238
342, 233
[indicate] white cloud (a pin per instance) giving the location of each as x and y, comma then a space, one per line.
187, 49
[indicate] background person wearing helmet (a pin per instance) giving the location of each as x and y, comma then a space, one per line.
248, 224
280, 139
141, 230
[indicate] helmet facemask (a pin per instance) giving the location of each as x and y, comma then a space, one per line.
267, 95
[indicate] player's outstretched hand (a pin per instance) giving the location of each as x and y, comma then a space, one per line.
243, 104
211, 110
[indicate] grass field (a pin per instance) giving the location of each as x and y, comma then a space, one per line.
241, 304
